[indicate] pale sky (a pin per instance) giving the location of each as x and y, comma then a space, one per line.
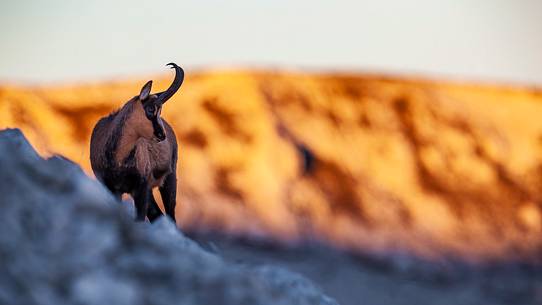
70, 41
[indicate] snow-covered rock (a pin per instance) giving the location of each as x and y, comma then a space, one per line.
65, 240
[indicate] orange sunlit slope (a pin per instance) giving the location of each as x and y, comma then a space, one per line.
362, 162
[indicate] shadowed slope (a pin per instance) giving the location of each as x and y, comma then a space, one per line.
66, 241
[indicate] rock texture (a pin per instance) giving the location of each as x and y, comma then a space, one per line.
372, 163
64, 240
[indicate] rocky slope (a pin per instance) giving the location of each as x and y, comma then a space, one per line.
393, 279
64, 240
365, 162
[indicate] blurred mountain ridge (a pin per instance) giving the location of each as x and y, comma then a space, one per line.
365, 162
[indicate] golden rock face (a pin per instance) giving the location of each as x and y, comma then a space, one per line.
363, 162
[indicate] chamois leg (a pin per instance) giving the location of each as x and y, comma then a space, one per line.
153, 211
168, 191
117, 195
141, 199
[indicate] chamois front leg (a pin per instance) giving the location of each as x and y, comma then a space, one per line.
141, 199
153, 211
168, 191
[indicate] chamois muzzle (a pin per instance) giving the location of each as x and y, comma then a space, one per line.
159, 132
177, 82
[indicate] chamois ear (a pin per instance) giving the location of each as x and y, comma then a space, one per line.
145, 91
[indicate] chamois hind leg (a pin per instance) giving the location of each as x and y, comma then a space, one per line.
153, 211
141, 199
116, 194
168, 191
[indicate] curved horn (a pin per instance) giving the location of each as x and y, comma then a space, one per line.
177, 82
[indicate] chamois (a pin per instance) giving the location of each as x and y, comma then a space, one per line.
134, 150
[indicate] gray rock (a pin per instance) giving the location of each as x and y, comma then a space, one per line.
65, 240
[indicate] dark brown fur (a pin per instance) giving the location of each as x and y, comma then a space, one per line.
134, 150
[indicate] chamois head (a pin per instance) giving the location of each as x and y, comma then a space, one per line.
151, 105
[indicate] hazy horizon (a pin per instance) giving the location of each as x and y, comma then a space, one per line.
61, 41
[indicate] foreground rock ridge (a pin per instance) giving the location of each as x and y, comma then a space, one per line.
358, 161
64, 240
